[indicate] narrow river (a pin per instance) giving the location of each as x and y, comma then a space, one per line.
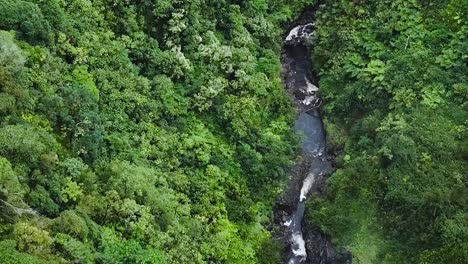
314, 165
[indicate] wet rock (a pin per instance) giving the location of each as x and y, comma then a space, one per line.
320, 249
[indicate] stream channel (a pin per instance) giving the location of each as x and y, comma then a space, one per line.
303, 242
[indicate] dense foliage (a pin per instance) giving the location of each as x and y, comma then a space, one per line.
158, 131
151, 131
394, 77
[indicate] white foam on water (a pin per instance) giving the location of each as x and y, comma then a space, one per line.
306, 186
288, 223
299, 249
293, 33
310, 87
308, 100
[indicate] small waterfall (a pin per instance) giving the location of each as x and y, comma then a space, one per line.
306, 186
313, 146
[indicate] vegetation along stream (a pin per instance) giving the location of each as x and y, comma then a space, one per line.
194, 131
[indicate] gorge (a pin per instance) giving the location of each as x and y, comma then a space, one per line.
304, 245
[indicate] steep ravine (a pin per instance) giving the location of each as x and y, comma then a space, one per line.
303, 242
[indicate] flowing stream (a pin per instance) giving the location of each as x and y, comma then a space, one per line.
309, 124
314, 165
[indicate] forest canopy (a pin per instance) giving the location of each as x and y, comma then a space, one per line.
142, 131
394, 77
158, 131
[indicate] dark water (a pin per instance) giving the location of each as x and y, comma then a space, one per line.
309, 124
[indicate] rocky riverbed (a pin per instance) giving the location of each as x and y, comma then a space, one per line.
303, 242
